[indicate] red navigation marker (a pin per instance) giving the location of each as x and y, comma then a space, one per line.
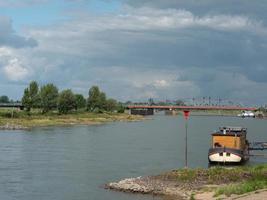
186, 114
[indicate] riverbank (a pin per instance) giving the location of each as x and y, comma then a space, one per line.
22, 120
212, 183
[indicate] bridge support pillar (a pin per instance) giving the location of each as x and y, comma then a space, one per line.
148, 111
171, 112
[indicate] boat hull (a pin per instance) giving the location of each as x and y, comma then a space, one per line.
227, 155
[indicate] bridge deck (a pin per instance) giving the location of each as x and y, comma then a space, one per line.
11, 105
192, 107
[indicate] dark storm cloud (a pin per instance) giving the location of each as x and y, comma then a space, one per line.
9, 38
231, 51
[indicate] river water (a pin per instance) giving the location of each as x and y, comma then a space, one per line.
73, 163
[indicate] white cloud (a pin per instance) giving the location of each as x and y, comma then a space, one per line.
138, 83
15, 71
87, 27
13, 64
161, 83
140, 19
84, 49
4, 51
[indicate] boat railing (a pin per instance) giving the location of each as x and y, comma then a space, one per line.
258, 146
233, 129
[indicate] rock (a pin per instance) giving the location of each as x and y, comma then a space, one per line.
130, 185
13, 127
147, 185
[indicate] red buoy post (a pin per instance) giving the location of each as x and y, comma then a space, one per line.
186, 117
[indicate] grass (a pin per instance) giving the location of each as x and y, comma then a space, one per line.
221, 180
242, 188
210, 176
35, 118
187, 175
192, 196
256, 179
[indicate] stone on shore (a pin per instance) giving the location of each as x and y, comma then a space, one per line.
13, 127
147, 185
131, 185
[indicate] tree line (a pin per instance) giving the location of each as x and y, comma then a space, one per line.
48, 98
5, 99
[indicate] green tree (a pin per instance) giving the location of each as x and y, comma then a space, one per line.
30, 97
48, 97
111, 105
66, 101
96, 100
34, 94
120, 108
4, 99
102, 101
80, 101
26, 100
151, 102
179, 103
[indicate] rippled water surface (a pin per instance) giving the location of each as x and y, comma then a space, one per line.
73, 163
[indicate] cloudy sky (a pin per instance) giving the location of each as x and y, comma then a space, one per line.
137, 49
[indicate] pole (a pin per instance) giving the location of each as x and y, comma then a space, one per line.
186, 117
186, 126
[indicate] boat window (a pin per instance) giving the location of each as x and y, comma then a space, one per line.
217, 144
228, 154
221, 154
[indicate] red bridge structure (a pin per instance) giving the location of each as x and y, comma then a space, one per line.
149, 109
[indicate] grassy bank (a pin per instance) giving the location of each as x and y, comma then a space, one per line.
35, 118
220, 180
211, 183
255, 179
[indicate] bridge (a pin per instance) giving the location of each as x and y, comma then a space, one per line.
12, 105
149, 109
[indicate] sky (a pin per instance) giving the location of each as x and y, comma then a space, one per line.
137, 49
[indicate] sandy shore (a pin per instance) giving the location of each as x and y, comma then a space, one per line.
27, 122
256, 195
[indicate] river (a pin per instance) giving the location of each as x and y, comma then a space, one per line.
74, 163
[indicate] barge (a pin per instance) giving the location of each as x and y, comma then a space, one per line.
229, 145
